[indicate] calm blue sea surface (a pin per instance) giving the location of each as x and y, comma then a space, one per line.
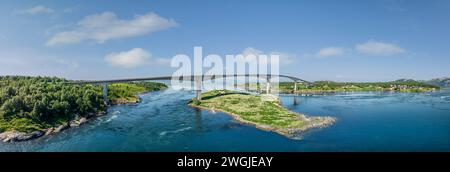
163, 122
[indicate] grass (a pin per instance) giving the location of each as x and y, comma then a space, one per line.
264, 110
28, 125
329, 86
20, 124
128, 92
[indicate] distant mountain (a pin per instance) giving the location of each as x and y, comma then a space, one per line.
441, 82
405, 80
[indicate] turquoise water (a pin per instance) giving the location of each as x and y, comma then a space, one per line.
163, 122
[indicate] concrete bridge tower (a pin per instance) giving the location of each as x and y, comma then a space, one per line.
198, 87
105, 92
268, 85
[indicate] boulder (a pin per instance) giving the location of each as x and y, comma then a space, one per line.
78, 122
49, 131
61, 128
82, 121
9, 136
74, 124
16, 136
29, 136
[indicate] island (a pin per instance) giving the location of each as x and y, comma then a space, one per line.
262, 111
31, 107
327, 87
128, 93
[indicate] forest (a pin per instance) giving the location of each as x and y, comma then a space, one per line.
401, 85
36, 103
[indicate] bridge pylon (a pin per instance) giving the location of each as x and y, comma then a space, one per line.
198, 87
295, 86
268, 85
105, 92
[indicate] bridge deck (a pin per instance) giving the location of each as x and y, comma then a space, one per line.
191, 78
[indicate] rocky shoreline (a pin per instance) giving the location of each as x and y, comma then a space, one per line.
17, 136
125, 101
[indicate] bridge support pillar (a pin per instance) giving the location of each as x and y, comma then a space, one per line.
105, 92
268, 86
198, 88
295, 87
258, 87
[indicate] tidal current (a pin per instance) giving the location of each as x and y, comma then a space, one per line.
162, 122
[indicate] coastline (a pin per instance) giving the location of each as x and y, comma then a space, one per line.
125, 102
332, 92
325, 92
331, 87
287, 132
17, 136
138, 98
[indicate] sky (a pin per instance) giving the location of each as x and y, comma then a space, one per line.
346, 40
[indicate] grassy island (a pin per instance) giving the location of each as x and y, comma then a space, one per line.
263, 111
123, 93
31, 107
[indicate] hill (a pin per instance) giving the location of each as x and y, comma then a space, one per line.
441, 82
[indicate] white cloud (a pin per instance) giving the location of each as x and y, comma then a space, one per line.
39, 10
162, 61
70, 9
379, 48
330, 51
107, 26
285, 58
252, 51
128, 59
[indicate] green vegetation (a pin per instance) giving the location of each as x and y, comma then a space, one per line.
35, 103
331, 87
128, 92
263, 111
29, 104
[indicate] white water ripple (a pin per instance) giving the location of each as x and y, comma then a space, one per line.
174, 131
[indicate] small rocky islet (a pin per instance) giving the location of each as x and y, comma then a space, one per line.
263, 111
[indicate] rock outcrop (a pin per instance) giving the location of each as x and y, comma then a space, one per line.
16, 136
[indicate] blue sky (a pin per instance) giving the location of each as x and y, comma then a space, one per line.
343, 40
